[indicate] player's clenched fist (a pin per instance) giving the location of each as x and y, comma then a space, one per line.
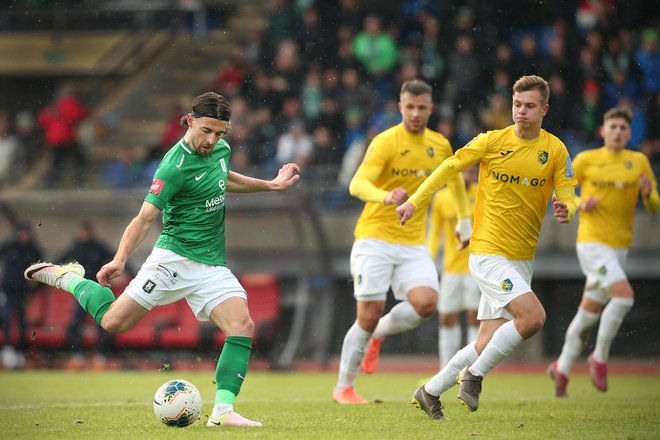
405, 212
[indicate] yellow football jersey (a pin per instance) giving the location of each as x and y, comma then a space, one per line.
442, 225
516, 179
613, 178
399, 159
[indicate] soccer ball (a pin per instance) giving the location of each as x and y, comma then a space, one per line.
177, 403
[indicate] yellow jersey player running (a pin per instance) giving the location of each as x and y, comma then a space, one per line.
518, 168
459, 291
384, 254
610, 180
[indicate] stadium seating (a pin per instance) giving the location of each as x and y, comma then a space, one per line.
183, 332
264, 302
171, 327
49, 313
145, 334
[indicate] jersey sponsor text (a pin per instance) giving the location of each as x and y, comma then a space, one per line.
215, 203
404, 172
521, 180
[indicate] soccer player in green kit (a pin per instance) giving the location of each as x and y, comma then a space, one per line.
188, 260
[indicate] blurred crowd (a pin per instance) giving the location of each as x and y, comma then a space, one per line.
323, 77
22, 250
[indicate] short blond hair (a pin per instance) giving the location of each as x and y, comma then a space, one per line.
533, 82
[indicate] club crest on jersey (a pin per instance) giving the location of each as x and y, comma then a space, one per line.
506, 285
543, 157
358, 279
430, 151
627, 164
602, 270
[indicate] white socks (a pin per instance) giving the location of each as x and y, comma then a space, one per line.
401, 318
221, 408
449, 340
446, 378
352, 352
576, 336
504, 341
64, 282
610, 322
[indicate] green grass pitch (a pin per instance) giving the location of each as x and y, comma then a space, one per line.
117, 405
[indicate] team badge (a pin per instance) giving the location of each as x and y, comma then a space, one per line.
506, 285
627, 164
148, 286
430, 151
602, 270
543, 157
156, 186
358, 279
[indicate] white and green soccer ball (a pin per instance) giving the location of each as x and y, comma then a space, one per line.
177, 403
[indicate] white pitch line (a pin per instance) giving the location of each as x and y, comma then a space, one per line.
75, 405
115, 404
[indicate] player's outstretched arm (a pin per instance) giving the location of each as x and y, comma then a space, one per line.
286, 177
134, 234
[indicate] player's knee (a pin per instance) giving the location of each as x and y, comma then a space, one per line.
424, 305
426, 310
622, 289
531, 324
368, 322
239, 326
538, 322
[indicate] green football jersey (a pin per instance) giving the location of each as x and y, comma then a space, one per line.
190, 190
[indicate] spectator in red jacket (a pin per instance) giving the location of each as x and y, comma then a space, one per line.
59, 121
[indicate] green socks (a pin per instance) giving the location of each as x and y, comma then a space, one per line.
232, 368
93, 297
232, 364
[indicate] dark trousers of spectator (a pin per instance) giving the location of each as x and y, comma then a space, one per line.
14, 307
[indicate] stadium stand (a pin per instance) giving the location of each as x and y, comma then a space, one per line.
79, 53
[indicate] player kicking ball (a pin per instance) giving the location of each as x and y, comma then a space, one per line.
188, 260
